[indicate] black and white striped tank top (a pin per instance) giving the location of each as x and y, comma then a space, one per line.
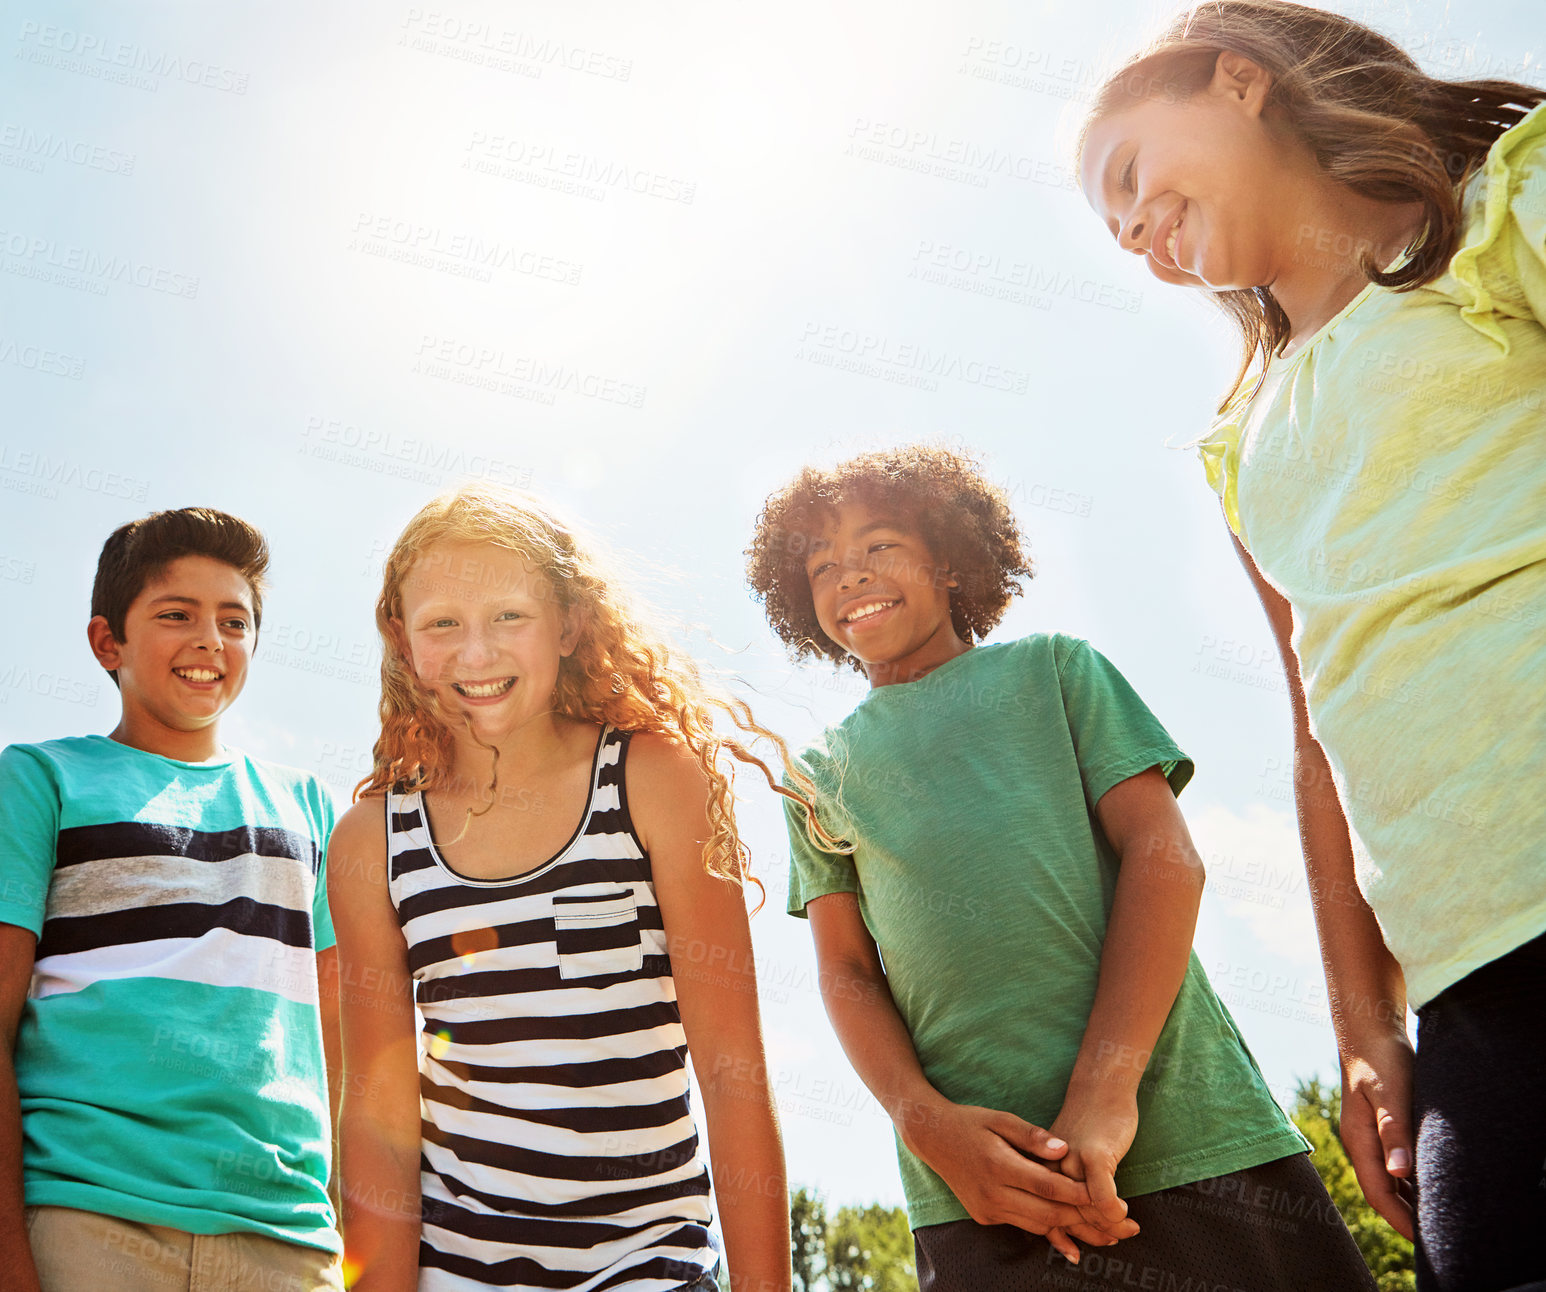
559, 1149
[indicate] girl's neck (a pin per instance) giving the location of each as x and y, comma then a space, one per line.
1337, 231
530, 749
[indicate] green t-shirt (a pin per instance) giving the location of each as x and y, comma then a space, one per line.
986, 882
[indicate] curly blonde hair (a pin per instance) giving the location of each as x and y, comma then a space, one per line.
620, 673
1374, 119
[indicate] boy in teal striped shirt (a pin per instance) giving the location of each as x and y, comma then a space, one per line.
164, 1114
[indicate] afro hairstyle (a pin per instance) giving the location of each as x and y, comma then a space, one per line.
964, 519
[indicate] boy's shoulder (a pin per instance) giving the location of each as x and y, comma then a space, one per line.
62, 747
302, 786
73, 764
66, 752
1031, 660
276, 773
1021, 656
77, 751
1030, 649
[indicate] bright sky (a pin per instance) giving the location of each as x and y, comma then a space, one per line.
311, 264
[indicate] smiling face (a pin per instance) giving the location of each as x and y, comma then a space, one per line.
183, 657
880, 594
1201, 186
484, 631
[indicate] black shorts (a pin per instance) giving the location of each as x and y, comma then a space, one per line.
1479, 1108
1269, 1228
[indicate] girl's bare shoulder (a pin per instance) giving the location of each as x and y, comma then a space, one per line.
357, 848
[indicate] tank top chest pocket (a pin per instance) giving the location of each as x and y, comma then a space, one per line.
597, 934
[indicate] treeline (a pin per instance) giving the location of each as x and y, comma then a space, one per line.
851, 1247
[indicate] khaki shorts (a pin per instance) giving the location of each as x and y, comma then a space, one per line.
82, 1251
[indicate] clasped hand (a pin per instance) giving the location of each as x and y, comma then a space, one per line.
1006, 1171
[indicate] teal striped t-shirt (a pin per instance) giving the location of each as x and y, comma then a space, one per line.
169, 1054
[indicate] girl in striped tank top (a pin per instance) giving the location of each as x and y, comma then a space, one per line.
544, 860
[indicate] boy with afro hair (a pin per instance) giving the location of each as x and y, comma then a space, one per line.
1053, 1059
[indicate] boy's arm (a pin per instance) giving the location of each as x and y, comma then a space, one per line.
711, 961
378, 1124
1143, 960
30, 799
982, 1154
332, 1057
1364, 982
17, 947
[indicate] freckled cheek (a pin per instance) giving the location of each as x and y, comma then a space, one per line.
429, 666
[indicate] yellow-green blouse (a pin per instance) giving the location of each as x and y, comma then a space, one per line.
1389, 479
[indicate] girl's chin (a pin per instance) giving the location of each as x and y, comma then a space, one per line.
1176, 277
491, 723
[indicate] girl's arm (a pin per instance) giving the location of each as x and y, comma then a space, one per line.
1143, 961
1364, 983
711, 961
378, 1123
984, 1155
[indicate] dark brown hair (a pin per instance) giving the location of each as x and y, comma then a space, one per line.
962, 517
1374, 120
135, 555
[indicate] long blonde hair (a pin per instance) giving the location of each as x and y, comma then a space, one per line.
1375, 121
621, 672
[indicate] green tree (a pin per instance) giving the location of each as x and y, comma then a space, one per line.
807, 1238
1317, 1112
864, 1248
870, 1248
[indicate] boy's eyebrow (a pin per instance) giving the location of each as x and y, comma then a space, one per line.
822, 544
181, 600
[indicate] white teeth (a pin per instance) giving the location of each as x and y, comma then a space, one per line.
1170, 242
483, 690
197, 674
868, 609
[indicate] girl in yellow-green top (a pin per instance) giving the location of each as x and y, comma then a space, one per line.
1380, 238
